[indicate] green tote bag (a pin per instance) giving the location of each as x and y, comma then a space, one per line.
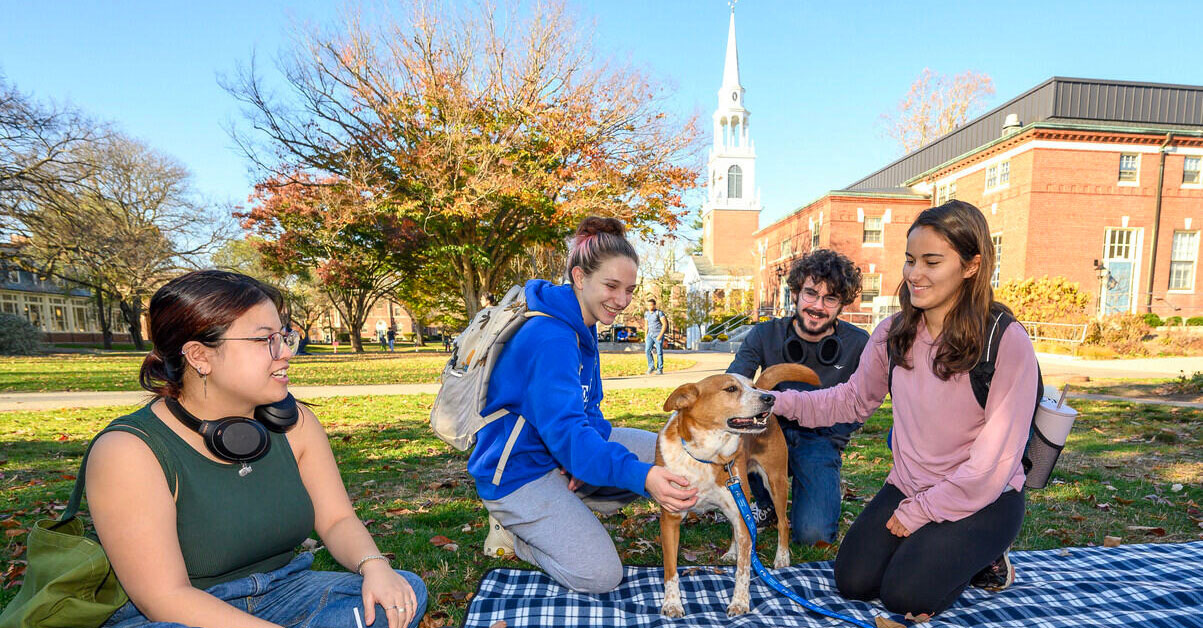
69, 581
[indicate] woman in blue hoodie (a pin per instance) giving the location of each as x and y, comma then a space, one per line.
567, 460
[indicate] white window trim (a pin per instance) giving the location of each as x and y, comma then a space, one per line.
1128, 184
997, 187
882, 231
1192, 186
1191, 290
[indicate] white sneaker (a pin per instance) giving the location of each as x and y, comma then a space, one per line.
500, 542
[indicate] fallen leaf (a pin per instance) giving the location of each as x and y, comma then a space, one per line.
439, 540
1148, 530
1064, 552
451, 547
467, 528
1176, 487
10, 533
689, 556
1077, 517
1112, 541
62, 437
498, 624
886, 622
921, 618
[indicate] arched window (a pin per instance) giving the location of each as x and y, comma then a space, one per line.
735, 182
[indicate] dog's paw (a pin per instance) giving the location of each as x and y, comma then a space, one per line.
738, 607
672, 609
731, 555
781, 559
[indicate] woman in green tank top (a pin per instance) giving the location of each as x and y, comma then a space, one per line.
198, 538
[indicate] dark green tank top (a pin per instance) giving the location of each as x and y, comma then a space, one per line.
229, 526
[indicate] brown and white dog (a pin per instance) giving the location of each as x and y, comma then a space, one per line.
721, 419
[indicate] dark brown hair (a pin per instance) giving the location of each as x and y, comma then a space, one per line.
841, 276
198, 306
963, 338
597, 240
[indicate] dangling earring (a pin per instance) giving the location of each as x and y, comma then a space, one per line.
205, 384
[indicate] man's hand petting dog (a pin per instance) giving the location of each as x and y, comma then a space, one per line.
896, 528
670, 490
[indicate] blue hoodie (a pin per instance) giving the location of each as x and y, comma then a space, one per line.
564, 424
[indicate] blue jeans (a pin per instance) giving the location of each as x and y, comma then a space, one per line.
814, 463
292, 595
655, 352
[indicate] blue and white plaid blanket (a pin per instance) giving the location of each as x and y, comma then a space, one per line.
1133, 586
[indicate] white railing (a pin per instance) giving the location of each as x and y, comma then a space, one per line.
1073, 334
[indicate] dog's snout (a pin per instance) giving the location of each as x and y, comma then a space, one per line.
767, 398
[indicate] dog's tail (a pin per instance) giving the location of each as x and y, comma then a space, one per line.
778, 373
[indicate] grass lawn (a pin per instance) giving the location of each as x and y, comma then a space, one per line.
73, 372
1126, 466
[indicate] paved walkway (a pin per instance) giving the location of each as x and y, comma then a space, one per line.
708, 363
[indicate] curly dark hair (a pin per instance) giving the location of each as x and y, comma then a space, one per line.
842, 277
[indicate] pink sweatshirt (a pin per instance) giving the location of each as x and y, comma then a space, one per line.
951, 458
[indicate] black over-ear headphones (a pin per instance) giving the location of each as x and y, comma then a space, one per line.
237, 438
827, 353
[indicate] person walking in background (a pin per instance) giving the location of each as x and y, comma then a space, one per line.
653, 342
392, 338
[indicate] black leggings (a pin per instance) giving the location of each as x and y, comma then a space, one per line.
926, 571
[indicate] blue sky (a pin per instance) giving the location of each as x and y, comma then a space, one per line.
818, 75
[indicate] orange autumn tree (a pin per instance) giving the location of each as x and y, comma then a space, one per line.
493, 129
354, 246
936, 105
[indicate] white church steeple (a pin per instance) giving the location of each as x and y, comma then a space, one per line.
732, 160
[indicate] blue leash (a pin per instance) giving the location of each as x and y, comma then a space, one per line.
741, 502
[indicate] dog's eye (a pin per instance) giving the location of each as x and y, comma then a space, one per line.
731, 389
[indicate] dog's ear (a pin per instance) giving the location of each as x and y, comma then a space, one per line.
682, 397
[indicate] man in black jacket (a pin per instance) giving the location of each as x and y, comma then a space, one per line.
822, 284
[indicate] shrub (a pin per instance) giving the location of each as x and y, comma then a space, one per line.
723, 337
18, 336
1153, 320
1048, 300
707, 338
1121, 333
1184, 385
1195, 321
1173, 321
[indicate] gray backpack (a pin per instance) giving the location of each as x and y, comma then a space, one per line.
456, 416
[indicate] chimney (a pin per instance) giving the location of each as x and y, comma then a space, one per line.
1011, 124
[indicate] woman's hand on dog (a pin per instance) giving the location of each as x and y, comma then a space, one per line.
896, 528
670, 490
573, 483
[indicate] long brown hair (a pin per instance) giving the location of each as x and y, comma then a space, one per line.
963, 337
199, 306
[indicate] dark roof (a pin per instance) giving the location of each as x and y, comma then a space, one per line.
1150, 106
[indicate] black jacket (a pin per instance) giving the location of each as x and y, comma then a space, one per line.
764, 346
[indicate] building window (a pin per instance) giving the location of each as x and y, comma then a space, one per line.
872, 233
8, 304
1129, 166
870, 287
1183, 255
1190, 169
33, 311
946, 192
787, 248
997, 240
998, 176
735, 182
814, 238
13, 275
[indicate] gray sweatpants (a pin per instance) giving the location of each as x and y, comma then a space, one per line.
555, 529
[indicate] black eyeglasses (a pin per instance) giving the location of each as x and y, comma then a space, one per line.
812, 296
277, 341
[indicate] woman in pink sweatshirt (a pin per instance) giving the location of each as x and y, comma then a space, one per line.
953, 501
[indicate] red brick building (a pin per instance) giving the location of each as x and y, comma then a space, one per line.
1084, 179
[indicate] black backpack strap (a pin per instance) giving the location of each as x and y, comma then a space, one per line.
981, 375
